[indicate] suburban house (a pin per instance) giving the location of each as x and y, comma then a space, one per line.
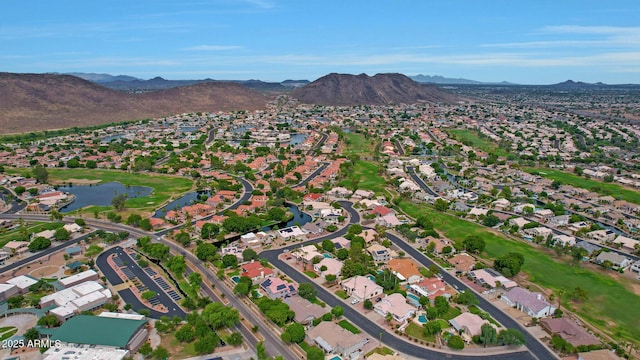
618, 261
256, 271
560, 220
463, 262
430, 287
564, 240
627, 243
277, 288
519, 222
635, 266
16, 247
501, 204
540, 231
602, 236
333, 339
569, 330
308, 253
405, 269
470, 324
333, 267
305, 310
396, 305
543, 214
379, 253
491, 278
532, 303
361, 287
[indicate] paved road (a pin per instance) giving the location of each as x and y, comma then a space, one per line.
42, 253
361, 320
318, 144
412, 172
314, 174
534, 345
16, 204
128, 295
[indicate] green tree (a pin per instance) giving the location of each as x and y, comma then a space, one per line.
328, 245
511, 337
441, 204
206, 251
160, 353
242, 289
579, 294
19, 190
466, 298
488, 335
118, 201
61, 234
455, 342
218, 315
249, 254
39, 243
209, 231
41, 174
49, 321
229, 260
32, 334
206, 344
293, 333
307, 291
195, 279
261, 351
338, 311
145, 349
432, 328
509, 264
235, 339
186, 333
473, 244
134, 220
177, 265
145, 224
490, 220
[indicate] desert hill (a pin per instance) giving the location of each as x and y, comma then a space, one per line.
345, 90
33, 102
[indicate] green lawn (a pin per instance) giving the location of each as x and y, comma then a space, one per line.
417, 331
357, 144
472, 137
367, 177
164, 187
24, 234
345, 324
342, 294
615, 190
380, 350
311, 274
451, 313
609, 299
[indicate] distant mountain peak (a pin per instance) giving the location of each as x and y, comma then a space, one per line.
381, 89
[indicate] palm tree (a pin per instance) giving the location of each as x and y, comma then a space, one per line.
388, 318
559, 293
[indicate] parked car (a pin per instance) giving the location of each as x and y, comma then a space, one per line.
354, 301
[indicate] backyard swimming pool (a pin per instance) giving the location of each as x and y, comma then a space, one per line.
235, 279
422, 319
414, 300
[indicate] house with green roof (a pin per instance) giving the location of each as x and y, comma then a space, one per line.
105, 331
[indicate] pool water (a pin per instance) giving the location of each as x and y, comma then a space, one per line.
328, 256
336, 358
235, 279
414, 300
371, 277
422, 319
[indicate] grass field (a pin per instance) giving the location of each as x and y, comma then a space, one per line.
164, 187
357, 144
617, 191
471, 137
609, 299
367, 176
417, 331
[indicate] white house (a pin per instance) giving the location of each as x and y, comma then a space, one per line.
396, 305
532, 303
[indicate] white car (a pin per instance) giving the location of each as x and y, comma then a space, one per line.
354, 301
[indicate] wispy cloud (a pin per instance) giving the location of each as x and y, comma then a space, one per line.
212, 48
264, 4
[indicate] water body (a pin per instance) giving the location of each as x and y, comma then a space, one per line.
189, 129
299, 218
108, 139
101, 195
186, 199
297, 139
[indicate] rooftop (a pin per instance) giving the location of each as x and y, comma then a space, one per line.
97, 330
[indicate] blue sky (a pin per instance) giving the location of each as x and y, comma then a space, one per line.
527, 42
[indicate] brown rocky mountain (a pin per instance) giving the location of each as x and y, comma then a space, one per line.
345, 90
33, 102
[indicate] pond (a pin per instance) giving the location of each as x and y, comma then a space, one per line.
297, 139
186, 199
111, 138
101, 194
299, 218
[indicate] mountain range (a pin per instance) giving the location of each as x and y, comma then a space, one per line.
30, 102
380, 89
